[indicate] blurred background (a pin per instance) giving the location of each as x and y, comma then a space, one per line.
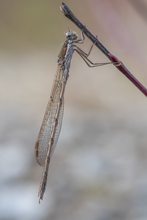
98, 170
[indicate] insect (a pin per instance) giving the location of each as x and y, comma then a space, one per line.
52, 121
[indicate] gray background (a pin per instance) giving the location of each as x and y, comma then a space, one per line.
98, 171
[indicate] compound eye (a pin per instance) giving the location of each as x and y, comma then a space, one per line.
68, 34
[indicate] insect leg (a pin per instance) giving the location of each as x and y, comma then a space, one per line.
88, 61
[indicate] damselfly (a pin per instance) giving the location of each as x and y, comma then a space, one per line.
52, 121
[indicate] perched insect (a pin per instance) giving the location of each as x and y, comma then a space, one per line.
52, 121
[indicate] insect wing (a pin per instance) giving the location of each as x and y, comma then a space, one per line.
49, 123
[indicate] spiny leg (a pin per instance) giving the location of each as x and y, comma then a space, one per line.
88, 61
81, 40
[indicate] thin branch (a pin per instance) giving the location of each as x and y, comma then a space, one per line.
117, 63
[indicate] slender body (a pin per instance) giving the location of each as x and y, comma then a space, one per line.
51, 125
52, 121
